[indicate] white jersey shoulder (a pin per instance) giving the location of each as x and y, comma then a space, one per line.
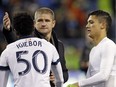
30, 61
102, 61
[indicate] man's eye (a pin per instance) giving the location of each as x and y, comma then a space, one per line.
40, 20
91, 22
47, 20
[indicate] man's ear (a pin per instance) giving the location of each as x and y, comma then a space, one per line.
54, 22
103, 24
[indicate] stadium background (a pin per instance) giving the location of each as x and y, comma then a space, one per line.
71, 18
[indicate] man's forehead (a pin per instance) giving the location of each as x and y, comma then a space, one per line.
49, 16
92, 17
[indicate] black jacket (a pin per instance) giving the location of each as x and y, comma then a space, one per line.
11, 37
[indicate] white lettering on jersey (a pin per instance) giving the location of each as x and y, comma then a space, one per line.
29, 43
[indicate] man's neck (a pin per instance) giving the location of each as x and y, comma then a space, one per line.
99, 39
47, 37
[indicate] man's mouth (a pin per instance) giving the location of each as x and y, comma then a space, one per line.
43, 28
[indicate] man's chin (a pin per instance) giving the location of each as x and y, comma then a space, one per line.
43, 32
89, 35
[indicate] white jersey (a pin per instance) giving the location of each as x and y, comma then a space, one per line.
29, 61
102, 65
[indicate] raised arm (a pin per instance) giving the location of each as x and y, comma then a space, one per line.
7, 29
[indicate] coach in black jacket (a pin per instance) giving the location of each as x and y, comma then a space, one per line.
11, 36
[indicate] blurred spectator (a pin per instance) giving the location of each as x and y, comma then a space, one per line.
113, 6
53, 4
2, 42
107, 5
84, 59
60, 27
1, 14
73, 29
91, 4
74, 18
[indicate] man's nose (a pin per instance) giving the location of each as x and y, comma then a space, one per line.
43, 23
87, 25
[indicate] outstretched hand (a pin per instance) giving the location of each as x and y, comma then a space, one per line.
52, 77
73, 85
6, 21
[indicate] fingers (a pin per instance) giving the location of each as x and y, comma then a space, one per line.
68, 86
5, 18
72, 85
52, 78
6, 13
6, 21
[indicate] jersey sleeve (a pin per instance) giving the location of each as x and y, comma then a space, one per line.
55, 59
107, 59
57, 70
3, 60
4, 78
4, 69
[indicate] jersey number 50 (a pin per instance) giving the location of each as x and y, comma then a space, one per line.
34, 61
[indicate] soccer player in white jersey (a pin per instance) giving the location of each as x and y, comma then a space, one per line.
102, 61
29, 59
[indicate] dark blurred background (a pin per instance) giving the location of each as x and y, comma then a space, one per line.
71, 16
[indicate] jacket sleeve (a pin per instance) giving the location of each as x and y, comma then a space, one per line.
9, 35
62, 60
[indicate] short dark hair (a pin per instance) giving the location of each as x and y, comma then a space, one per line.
23, 23
103, 15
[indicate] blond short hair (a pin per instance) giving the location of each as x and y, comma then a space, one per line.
44, 10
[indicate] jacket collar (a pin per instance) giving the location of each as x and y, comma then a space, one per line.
53, 39
38, 34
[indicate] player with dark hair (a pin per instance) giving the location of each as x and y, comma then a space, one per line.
29, 59
102, 59
44, 20
18, 24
